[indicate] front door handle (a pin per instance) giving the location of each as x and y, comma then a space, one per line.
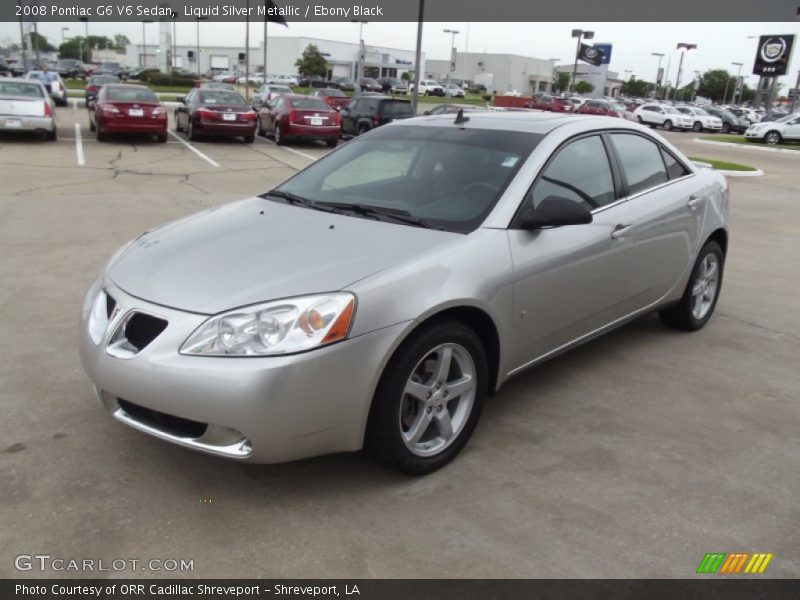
620, 231
694, 202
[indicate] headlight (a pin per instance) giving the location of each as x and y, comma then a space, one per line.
279, 327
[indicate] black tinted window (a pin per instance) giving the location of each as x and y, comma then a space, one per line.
121, 94
641, 161
580, 172
674, 168
395, 108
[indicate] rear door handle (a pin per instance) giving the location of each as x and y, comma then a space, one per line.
694, 202
620, 231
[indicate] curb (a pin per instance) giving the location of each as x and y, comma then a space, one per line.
749, 145
756, 173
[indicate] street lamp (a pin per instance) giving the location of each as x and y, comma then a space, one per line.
144, 43
581, 35
63, 38
453, 33
683, 48
738, 74
553, 72
660, 56
361, 55
197, 56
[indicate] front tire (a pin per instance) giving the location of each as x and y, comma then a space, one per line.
772, 138
667, 125
429, 399
698, 126
702, 291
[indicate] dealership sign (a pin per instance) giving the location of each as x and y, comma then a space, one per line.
773, 55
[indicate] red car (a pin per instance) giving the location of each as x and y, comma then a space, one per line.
208, 111
336, 99
603, 108
292, 116
124, 108
552, 104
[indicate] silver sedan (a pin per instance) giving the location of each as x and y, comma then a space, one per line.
378, 297
26, 106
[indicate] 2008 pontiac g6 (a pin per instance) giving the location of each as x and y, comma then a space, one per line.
376, 298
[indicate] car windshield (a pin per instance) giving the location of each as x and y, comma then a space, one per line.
309, 104
17, 88
101, 79
121, 94
785, 119
222, 97
672, 110
448, 176
701, 112
396, 108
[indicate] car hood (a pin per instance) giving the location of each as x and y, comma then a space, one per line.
257, 250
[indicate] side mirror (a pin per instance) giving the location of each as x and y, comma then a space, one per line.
181, 99
553, 211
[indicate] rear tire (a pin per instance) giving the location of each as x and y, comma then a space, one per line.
249, 139
448, 423
52, 136
162, 138
279, 139
702, 291
362, 129
332, 143
193, 137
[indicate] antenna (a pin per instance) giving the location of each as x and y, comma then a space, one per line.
460, 118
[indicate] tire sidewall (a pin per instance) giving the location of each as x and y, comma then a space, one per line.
383, 437
709, 248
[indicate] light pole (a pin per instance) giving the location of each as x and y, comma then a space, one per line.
197, 55
696, 85
683, 48
453, 33
553, 72
360, 60
144, 43
735, 85
581, 35
63, 37
660, 55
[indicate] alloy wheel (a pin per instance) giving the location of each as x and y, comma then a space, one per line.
437, 400
773, 137
705, 286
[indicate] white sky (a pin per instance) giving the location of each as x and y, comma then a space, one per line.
719, 44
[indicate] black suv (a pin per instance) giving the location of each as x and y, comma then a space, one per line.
70, 68
367, 112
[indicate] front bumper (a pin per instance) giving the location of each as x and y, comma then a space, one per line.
257, 409
18, 123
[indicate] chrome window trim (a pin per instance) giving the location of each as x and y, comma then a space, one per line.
641, 193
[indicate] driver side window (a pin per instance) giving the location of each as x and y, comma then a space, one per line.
580, 172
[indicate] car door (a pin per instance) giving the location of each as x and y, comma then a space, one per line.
666, 211
569, 281
791, 130
350, 118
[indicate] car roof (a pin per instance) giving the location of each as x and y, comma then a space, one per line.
530, 122
22, 80
129, 86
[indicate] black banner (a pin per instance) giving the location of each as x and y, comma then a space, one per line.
591, 54
403, 589
397, 11
773, 55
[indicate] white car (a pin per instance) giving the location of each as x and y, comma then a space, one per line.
283, 80
266, 93
25, 106
512, 94
452, 90
58, 90
774, 132
221, 76
702, 120
662, 115
428, 87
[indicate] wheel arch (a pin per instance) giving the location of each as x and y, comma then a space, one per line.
721, 237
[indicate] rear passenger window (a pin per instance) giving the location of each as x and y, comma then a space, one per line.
641, 161
580, 172
674, 168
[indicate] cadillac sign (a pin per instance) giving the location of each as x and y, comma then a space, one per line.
773, 56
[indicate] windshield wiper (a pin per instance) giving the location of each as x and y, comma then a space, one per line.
296, 200
379, 212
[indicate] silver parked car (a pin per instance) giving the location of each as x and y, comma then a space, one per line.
376, 298
25, 105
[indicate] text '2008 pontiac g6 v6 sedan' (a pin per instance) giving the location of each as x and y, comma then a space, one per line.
375, 299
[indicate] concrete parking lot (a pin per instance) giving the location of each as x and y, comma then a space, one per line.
631, 456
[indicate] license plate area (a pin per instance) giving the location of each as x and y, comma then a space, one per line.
316, 120
228, 116
13, 123
135, 112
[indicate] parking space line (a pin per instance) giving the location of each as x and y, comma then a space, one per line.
79, 145
303, 154
209, 160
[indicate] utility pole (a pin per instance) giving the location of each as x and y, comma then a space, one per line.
24, 45
266, 19
418, 56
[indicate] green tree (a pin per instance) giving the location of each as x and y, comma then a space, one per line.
120, 41
637, 88
406, 76
713, 84
39, 41
561, 84
312, 62
74, 48
584, 87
